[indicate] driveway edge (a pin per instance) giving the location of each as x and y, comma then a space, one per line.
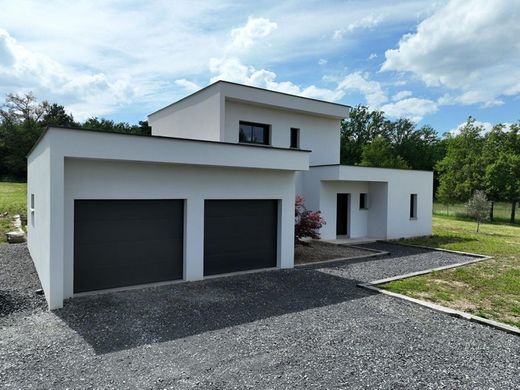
376, 253
446, 310
433, 306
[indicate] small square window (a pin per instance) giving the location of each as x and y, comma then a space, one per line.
295, 138
363, 201
413, 206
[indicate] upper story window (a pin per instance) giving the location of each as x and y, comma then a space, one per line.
254, 133
295, 138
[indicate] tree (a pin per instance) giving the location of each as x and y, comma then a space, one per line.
379, 153
418, 148
307, 223
478, 207
117, 127
461, 171
502, 172
55, 115
361, 127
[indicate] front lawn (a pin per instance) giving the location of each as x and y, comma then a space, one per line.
12, 201
490, 289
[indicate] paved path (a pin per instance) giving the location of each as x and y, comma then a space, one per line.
302, 328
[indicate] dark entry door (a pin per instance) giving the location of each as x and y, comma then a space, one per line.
342, 209
127, 242
239, 235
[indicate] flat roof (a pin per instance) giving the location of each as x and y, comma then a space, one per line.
251, 87
161, 138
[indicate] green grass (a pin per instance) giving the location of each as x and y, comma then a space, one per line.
13, 198
490, 289
501, 211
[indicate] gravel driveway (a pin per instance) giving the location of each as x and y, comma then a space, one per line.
304, 328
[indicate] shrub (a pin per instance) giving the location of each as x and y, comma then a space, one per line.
478, 207
306, 223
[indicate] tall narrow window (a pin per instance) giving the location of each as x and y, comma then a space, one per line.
295, 138
413, 206
32, 202
253, 133
363, 201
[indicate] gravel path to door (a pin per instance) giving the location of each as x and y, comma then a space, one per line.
309, 327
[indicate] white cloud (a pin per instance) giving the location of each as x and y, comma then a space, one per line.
366, 22
401, 95
189, 86
322, 61
244, 37
22, 69
412, 108
371, 89
470, 47
486, 127
232, 69
372, 56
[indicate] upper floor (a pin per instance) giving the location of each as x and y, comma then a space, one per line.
235, 113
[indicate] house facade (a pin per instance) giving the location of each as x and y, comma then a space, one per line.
210, 192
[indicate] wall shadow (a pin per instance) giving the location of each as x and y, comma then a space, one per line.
122, 320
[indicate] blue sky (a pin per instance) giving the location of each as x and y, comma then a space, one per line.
436, 62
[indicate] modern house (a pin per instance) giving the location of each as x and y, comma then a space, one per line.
210, 192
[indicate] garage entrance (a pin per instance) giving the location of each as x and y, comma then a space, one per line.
127, 242
239, 235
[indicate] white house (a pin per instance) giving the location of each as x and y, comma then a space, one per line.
210, 192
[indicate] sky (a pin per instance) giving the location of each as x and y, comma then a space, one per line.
435, 62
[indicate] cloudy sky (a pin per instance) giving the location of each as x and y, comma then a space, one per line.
436, 62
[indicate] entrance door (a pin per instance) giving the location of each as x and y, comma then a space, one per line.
342, 210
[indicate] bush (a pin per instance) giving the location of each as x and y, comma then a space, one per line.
307, 223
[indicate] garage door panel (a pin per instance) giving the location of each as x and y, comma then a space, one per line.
122, 253
239, 235
98, 231
126, 242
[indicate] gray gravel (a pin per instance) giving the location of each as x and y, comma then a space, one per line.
301, 328
18, 281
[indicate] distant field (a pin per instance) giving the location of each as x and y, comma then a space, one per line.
12, 201
501, 211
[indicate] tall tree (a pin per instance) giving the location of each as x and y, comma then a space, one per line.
379, 153
461, 171
361, 127
502, 172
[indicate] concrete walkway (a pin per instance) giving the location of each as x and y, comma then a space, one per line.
309, 327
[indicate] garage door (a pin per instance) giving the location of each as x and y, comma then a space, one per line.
127, 242
239, 235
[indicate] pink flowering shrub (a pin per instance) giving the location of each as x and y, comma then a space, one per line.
306, 223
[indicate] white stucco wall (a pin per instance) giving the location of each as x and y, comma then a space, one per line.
73, 164
388, 196
197, 118
319, 134
95, 179
39, 221
358, 218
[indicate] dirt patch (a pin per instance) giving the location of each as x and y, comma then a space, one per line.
321, 251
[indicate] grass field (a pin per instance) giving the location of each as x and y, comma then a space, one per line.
501, 211
12, 201
490, 289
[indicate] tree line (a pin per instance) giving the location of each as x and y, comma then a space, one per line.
463, 163
471, 160
22, 121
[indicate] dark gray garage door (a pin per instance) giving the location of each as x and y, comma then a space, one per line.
126, 242
239, 235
